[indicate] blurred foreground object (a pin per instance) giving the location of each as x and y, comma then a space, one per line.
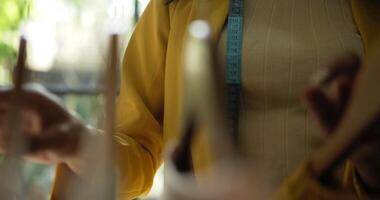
99, 181
362, 109
11, 183
230, 177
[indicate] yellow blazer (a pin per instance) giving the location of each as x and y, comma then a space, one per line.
149, 106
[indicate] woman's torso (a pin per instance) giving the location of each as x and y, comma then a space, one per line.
284, 43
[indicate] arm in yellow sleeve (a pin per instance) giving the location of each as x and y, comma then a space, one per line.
140, 104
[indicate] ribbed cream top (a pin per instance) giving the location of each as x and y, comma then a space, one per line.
285, 42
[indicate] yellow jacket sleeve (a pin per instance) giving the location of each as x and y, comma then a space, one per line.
302, 185
139, 136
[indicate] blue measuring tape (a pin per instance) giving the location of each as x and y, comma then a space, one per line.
233, 67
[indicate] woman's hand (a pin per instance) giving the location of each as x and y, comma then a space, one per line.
327, 102
52, 133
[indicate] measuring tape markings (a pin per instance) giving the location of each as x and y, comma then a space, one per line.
233, 67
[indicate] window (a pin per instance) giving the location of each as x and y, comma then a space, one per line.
67, 50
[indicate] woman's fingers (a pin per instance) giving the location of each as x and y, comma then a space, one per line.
51, 145
63, 139
51, 132
29, 123
322, 109
347, 65
327, 101
328, 106
45, 104
344, 90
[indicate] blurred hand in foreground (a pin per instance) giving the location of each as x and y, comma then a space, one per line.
52, 133
327, 100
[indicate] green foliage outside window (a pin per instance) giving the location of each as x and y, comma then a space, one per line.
12, 12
